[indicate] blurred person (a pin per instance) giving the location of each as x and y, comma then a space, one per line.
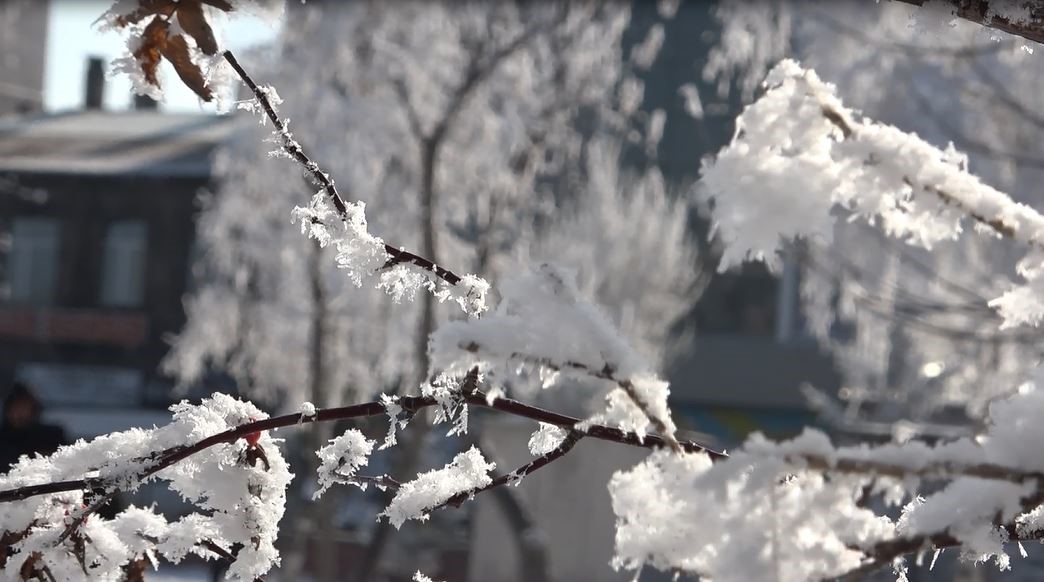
22, 432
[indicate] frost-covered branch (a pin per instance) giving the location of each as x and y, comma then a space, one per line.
236, 487
247, 505
884, 553
461, 480
516, 476
160, 460
993, 210
982, 491
479, 69
472, 292
605, 373
1025, 19
799, 153
585, 343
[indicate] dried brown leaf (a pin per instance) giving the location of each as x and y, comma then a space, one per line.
145, 9
153, 44
254, 454
7, 541
176, 51
134, 571
29, 569
193, 21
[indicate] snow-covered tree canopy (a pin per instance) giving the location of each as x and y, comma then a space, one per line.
804, 509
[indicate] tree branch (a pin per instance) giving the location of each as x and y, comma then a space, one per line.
411, 112
886, 551
606, 373
166, 458
478, 72
573, 437
984, 12
998, 224
294, 150
913, 49
518, 474
938, 469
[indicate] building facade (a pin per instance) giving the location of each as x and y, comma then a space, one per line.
23, 42
97, 221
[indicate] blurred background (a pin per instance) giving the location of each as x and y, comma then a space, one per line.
146, 251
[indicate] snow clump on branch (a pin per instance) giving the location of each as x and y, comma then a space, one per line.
468, 471
799, 154
796, 510
341, 459
239, 500
543, 321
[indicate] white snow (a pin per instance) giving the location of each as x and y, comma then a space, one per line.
546, 439
415, 498
341, 459
236, 503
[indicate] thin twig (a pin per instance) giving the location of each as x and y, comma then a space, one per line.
930, 470
605, 373
379, 481
981, 12
567, 444
294, 150
81, 517
213, 547
956, 52
518, 474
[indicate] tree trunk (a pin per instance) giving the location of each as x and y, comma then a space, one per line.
322, 530
412, 443
532, 553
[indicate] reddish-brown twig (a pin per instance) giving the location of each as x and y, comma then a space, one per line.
166, 458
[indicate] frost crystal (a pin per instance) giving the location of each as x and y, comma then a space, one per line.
358, 252
342, 458
363, 255
546, 439
468, 470
657, 502
452, 407
397, 419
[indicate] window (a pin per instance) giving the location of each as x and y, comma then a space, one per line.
790, 320
123, 266
76, 385
33, 264
195, 272
742, 302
